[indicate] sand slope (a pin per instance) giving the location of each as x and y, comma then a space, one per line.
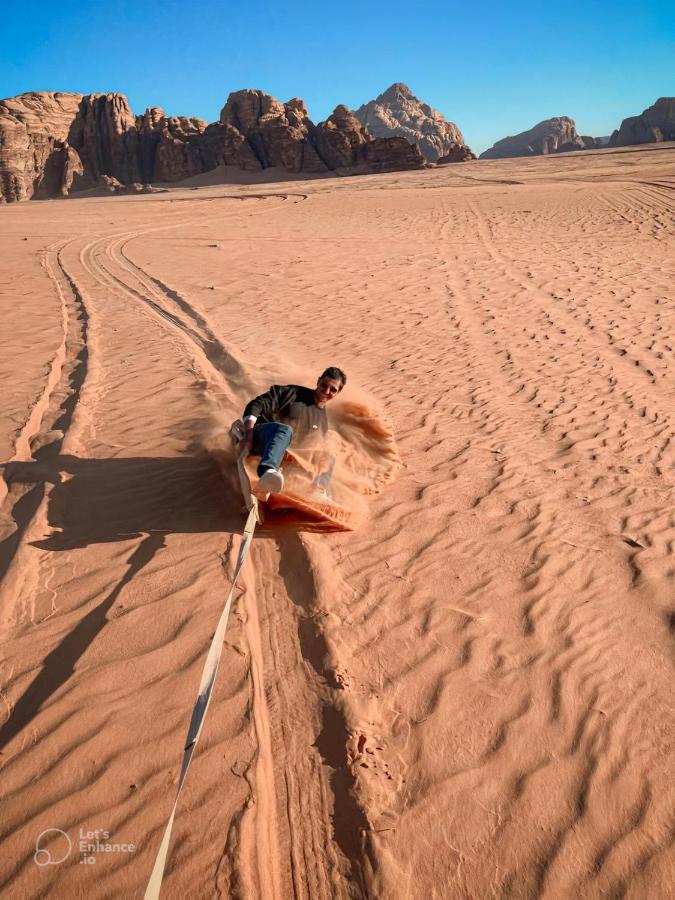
469, 697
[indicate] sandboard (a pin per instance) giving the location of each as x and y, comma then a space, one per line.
298, 503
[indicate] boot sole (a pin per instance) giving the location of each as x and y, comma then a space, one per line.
270, 483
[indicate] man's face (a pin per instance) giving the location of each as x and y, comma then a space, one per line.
326, 389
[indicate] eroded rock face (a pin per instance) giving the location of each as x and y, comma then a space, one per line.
338, 140
105, 137
178, 152
546, 137
224, 145
34, 132
655, 124
346, 147
278, 134
63, 168
399, 113
54, 144
392, 154
250, 110
587, 143
459, 153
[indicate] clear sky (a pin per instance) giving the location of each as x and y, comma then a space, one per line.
494, 68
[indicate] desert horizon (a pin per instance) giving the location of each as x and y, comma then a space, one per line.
481, 144
59, 144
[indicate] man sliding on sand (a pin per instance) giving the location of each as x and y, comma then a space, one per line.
283, 413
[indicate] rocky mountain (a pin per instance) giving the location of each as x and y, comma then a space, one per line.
546, 137
52, 144
587, 143
459, 153
399, 113
170, 146
346, 146
34, 159
656, 123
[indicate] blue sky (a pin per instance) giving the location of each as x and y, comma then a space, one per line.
494, 68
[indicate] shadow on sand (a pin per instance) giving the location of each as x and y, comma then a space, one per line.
104, 500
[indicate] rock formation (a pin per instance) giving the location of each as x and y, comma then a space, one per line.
345, 147
169, 145
34, 155
105, 137
587, 143
399, 113
278, 134
655, 124
340, 138
459, 153
53, 144
546, 137
390, 154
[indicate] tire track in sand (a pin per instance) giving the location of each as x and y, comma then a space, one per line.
308, 864
25, 488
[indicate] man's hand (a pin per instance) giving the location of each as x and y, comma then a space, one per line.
249, 425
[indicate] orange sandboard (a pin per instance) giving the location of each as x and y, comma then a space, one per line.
300, 503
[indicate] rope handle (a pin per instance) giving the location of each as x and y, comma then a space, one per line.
201, 705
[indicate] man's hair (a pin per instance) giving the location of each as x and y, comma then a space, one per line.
337, 374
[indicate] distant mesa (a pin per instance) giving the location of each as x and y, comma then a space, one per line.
655, 124
54, 144
458, 153
559, 135
588, 143
548, 136
399, 113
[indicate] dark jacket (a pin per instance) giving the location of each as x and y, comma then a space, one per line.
291, 404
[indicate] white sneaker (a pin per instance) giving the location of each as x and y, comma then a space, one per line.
270, 482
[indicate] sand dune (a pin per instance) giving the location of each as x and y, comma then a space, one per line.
468, 697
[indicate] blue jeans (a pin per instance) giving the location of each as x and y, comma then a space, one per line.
270, 442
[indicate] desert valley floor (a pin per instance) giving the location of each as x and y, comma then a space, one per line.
471, 696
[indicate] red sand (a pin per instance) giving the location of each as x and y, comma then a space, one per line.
470, 696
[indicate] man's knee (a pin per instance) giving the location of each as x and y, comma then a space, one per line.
285, 430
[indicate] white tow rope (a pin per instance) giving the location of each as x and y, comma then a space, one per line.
202, 704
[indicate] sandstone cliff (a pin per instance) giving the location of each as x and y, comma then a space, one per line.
347, 148
459, 153
34, 155
52, 144
399, 113
656, 123
278, 134
546, 137
340, 138
583, 142
170, 146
